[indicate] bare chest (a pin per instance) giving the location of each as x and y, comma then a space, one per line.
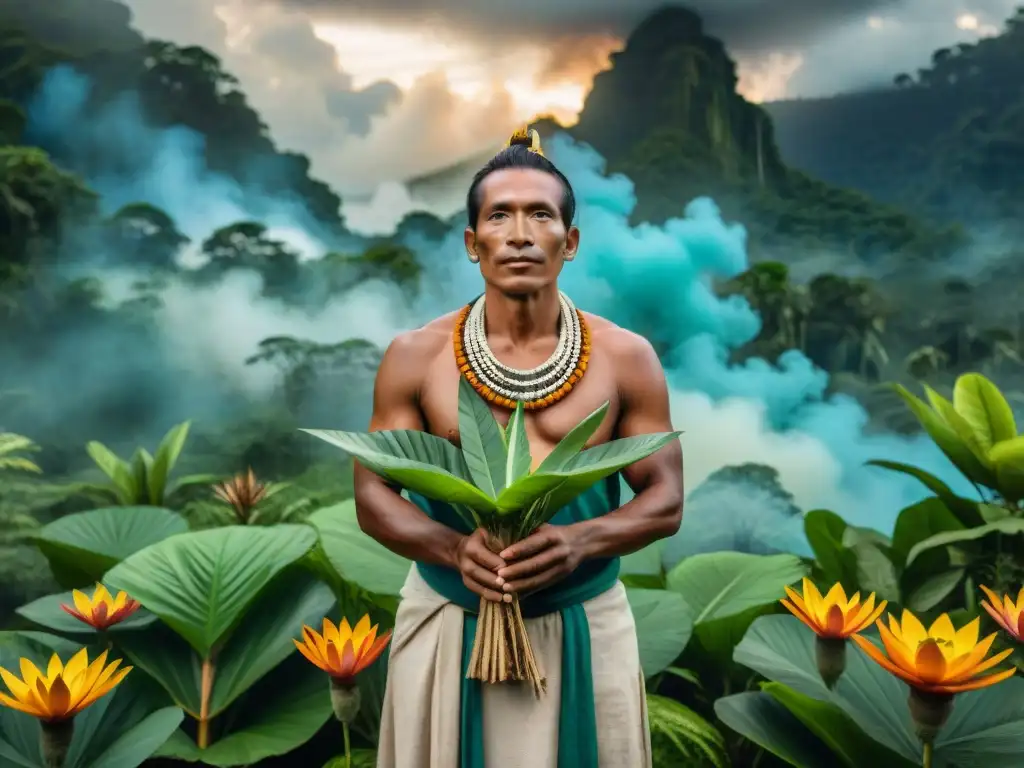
545, 428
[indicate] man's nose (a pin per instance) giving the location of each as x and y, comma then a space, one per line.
519, 234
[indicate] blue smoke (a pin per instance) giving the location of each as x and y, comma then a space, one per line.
656, 280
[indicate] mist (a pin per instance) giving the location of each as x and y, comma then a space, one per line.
656, 280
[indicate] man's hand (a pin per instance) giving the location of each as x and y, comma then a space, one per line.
479, 566
547, 555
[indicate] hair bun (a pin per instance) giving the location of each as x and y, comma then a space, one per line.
526, 137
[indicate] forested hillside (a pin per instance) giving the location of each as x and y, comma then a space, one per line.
946, 141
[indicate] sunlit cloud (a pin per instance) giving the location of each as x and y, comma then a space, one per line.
767, 78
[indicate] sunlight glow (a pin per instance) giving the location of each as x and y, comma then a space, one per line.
371, 53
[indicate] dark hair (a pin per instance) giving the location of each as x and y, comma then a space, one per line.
519, 156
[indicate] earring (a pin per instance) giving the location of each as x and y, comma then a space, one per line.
473, 258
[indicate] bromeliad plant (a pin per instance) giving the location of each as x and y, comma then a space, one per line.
491, 484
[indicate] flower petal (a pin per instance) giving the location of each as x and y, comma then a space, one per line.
930, 662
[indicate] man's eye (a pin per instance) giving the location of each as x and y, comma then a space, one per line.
543, 214
496, 215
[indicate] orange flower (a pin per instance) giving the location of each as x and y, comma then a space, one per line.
1008, 614
341, 651
101, 611
939, 660
832, 616
63, 690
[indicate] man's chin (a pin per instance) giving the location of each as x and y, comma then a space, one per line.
523, 285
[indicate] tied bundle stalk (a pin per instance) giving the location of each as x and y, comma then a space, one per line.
490, 482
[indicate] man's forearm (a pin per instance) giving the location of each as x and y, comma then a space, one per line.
655, 513
404, 528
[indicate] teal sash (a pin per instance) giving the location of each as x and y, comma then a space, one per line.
577, 723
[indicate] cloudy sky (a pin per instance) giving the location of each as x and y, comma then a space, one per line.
379, 91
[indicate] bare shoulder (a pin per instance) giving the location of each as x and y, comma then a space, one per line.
631, 353
421, 345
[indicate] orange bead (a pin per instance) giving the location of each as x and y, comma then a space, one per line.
573, 378
460, 360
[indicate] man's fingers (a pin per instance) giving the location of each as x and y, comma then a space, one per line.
531, 583
529, 546
476, 580
534, 565
485, 558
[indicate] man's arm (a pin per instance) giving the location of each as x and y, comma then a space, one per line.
383, 513
655, 512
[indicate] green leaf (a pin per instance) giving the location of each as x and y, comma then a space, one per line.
518, 461
1008, 458
166, 658
693, 739
417, 461
718, 585
835, 729
919, 522
984, 728
264, 637
663, 627
116, 469
1010, 526
824, 531
47, 612
934, 590
139, 467
571, 445
875, 571
985, 409
947, 439
361, 758
201, 583
965, 510
293, 704
644, 562
81, 547
167, 454
482, 440
764, 721
139, 743
595, 464
356, 557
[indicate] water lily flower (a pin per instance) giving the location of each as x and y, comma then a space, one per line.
936, 663
833, 618
101, 611
1009, 614
57, 695
343, 652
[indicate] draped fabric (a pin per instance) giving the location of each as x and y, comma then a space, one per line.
594, 712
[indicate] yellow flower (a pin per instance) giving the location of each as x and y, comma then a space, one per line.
833, 616
939, 660
341, 651
1009, 614
101, 611
63, 691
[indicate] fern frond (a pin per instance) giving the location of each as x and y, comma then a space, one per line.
691, 739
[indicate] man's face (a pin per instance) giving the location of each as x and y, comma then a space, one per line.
521, 241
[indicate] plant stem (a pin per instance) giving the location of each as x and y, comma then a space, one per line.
205, 691
926, 755
348, 744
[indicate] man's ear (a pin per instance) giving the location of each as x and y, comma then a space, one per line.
572, 244
470, 237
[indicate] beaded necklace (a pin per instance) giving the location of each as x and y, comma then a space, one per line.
535, 388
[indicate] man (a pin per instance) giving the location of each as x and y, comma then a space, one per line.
522, 340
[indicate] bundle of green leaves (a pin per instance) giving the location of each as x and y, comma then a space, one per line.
491, 483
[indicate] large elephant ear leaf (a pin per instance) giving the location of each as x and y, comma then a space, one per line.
482, 440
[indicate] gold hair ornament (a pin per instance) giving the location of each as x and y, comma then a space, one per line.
528, 138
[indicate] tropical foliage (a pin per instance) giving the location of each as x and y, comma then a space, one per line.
744, 655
